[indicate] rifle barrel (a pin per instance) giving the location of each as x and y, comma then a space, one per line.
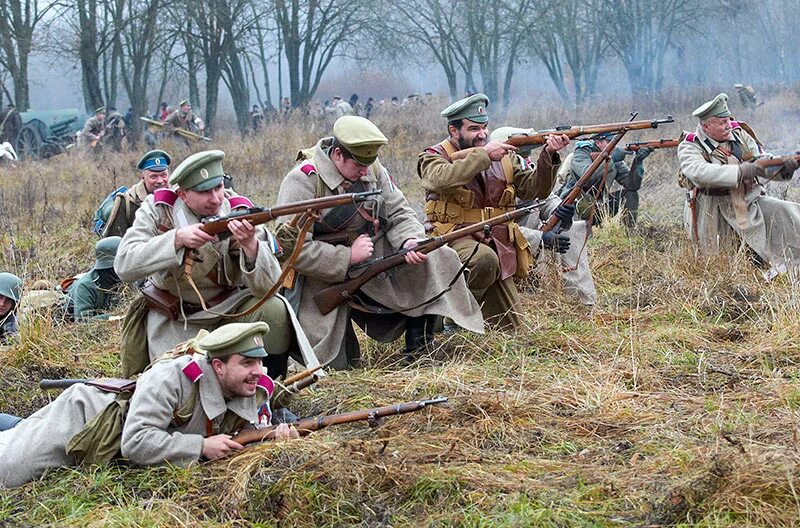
47, 384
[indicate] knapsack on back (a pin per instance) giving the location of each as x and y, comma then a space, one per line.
104, 211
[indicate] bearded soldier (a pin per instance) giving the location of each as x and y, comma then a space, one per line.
182, 410
154, 174
405, 299
484, 184
230, 276
725, 203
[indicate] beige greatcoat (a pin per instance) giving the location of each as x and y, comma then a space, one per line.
147, 252
124, 212
322, 264
149, 436
769, 226
578, 278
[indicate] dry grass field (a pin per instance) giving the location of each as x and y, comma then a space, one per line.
674, 401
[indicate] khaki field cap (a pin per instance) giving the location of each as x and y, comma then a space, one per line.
199, 172
10, 286
246, 339
155, 160
360, 137
99, 110
717, 107
104, 252
472, 108
184, 102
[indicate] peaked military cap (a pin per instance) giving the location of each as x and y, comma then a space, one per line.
104, 252
199, 172
184, 102
717, 107
246, 339
10, 286
101, 109
155, 160
472, 108
360, 137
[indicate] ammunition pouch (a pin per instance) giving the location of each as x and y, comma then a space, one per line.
525, 260
170, 305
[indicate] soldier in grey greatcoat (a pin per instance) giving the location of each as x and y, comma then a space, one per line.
346, 236
231, 274
182, 410
725, 203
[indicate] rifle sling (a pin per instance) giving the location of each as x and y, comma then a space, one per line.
381, 310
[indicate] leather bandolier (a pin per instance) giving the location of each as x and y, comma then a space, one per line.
491, 193
342, 225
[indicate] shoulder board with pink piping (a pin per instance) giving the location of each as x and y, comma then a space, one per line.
264, 413
308, 168
192, 371
690, 137
735, 124
240, 202
266, 384
165, 197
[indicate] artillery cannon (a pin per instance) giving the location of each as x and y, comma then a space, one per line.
46, 133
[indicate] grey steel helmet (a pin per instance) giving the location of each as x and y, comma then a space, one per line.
10, 286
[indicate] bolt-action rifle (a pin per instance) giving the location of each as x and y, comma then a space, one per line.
655, 144
309, 425
331, 297
539, 138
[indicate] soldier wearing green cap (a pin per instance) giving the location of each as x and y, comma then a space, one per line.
97, 290
726, 204
94, 129
153, 175
230, 274
10, 295
614, 186
183, 410
485, 183
387, 306
183, 117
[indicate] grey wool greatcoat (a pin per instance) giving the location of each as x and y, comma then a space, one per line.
322, 264
769, 226
148, 251
577, 278
150, 434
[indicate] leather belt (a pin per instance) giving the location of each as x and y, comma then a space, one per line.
714, 191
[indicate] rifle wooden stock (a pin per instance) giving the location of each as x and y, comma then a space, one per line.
216, 225
328, 299
309, 425
775, 162
302, 375
572, 132
655, 144
576, 191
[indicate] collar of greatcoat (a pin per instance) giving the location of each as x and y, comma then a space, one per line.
328, 172
140, 192
709, 144
212, 399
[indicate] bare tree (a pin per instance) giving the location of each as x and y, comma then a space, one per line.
641, 32
313, 32
18, 22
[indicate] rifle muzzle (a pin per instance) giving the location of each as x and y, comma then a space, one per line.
656, 122
434, 401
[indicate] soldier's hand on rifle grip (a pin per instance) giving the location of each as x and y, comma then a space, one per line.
361, 249
642, 153
218, 446
285, 432
245, 234
414, 257
565, 212
558, 242
555, 143
749, 173
496, 150
787, 170
192, 237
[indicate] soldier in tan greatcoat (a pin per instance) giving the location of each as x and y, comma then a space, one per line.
231, 274
725, 203
183, 117
154, 175
485, 183
344, 236
182, 410
94, 129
